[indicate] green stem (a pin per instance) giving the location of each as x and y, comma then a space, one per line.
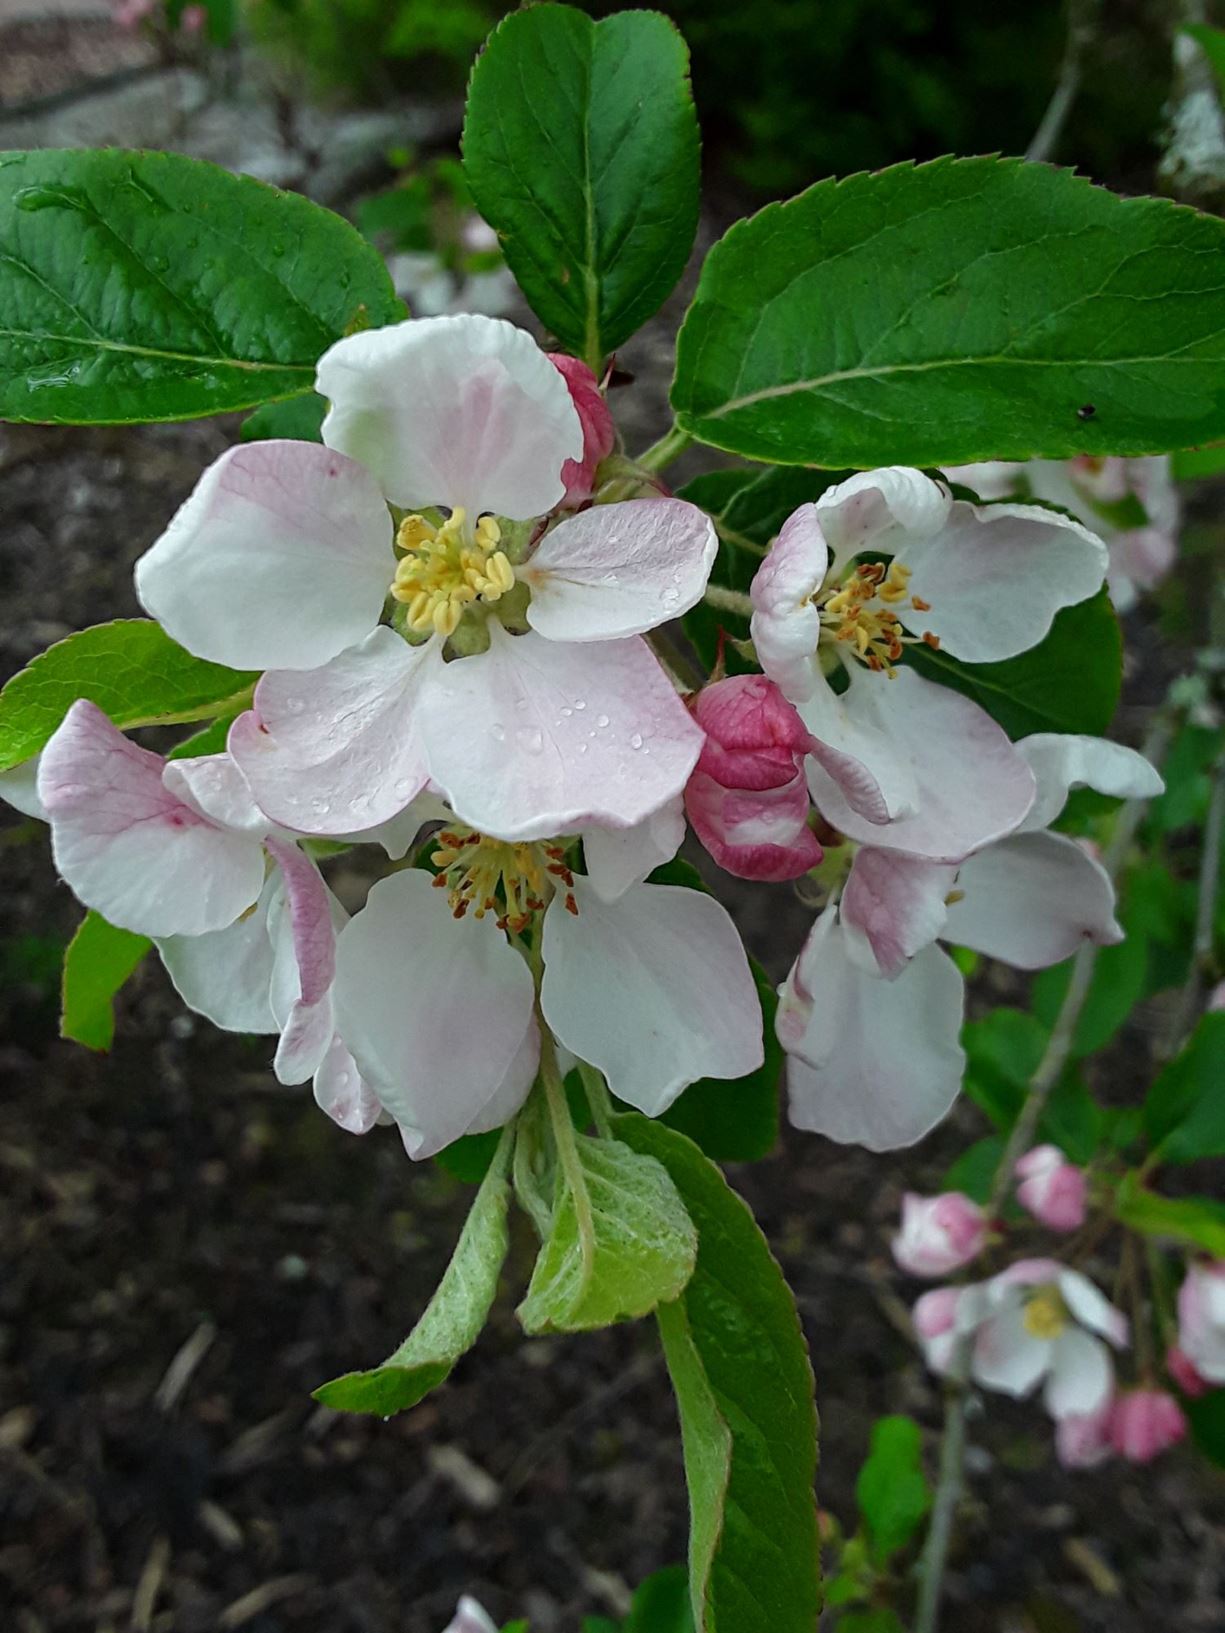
728, 600
597, 1098
567, 1146
661, 454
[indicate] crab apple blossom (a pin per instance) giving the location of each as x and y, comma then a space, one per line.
1082, 1439
1051, 1188
599, 432
1201, 1319
747, 798
939, 1234
1132, 504
470, 1617
1144, 1423
521, 687
893, 751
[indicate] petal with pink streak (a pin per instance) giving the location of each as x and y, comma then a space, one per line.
460, 411
1061, 761
434, 1009
1032, 899
884, 510
892, 906
952, 780
618, 570
213, 786
785, 624
995, 576
534, 738
617, 858
599, 431
279, 559
307, 1025
128, 846
339, 749
754, 834
872, 1062
654, 989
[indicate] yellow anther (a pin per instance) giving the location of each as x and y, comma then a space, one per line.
859, 613
1046, 1315
512, 881
488, 533
894, 586
445, 569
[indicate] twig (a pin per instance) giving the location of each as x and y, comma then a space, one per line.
1203, 945
1067, 87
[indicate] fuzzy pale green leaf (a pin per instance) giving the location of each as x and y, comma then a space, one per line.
100, 958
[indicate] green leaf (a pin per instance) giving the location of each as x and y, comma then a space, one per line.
581, 150
468, 1158
1190, 463
1002, 1053
1068, 682
1207, 1419
892, 1490
452, 1320
1184, 1112
148, 286
298, 418
211, 740
130, 668
1195, 1220
736, 1120
638, 1253
973, 1173
100, 958
878, 1620
1212, 42
661, 1604
962, 310
744, 1390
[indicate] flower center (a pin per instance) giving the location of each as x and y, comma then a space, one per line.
445, 569
1046, 1315
859, 614
512, 881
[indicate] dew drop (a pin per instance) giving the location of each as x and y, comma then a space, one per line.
531, 738
566, 713
602, 721
579, 703
582, 748
636, 740
498, 732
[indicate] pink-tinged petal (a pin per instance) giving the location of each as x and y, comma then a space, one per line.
19, 788
308, 1027
460, 411
1092, 1309
939, 1234
618, 570
1144, 1423
754, 835
534, 738
279, 559
1185, 1373
994, 577
893, 906
470, 1618
754, 737
434, 1009
226, 975
785, 624
1052, 1189
342, 1091
885, 510
1061, 761
1032, 900
1082, 1440
1201, 1319
1081, 1377
128, 846
1007, 1357
214, 787
617, 858
873, 1062
339, 749
654, 989
952, 781
599, 432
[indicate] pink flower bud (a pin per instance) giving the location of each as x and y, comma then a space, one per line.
1051, 1188
939, 1233
599, 432
747, 798
1185, 1374
1082, 1439
1144, 1423
193, 19
936, 1311
1201, 1319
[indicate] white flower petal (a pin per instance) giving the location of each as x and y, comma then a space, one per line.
892, 906
303, 926
226, 975
785, 624
279, 559
19, 788
1092, 1308
342, 1091
1007, 1356
1061, 761
617, 858
1081, 1374
885, 510
214, 786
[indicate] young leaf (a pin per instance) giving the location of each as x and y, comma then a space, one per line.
962, 310
623, 1246
744, 1390
973, 1173
581, 149
130, 668
1194, 1220
298, 418
453, 1318
1184, 1112
892, 1490
149, 286
661, 1604
100, 958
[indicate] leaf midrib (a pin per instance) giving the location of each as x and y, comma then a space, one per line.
130, 350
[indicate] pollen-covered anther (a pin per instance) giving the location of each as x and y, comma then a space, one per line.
1045, 1314
859, 614
495, 876
446, 568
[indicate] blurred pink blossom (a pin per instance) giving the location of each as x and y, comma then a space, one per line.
1052, 1189
1201, 1319
1144, 1423
939, 1234
1185, 1373
1082, 1441
599, 432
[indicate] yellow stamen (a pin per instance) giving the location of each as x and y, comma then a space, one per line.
445, 569
512, 881
859, 614
1046, 1315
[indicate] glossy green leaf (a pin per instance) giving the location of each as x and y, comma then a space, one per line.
744, 1390
148, 286
638, 1251
962, 310
892, 1490
130, 668
452, 1320
100, 958
1184, 1112
1068, 682
661, 1604
1196, 1221
298, 418
581, 150
1189, 464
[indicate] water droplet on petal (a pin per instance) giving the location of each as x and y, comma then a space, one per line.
602, 721
579, 703
566, 713
498, 732
636, 740
531, 738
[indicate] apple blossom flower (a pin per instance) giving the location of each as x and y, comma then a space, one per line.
1144, 1423
470, 1618
1201, 1319
599, 432
1185, 1374
522, 690
939, 1234
1082, 1439
747, 797
1036, 1322
982, 583
1053, 1189
649, 983
1132, 504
